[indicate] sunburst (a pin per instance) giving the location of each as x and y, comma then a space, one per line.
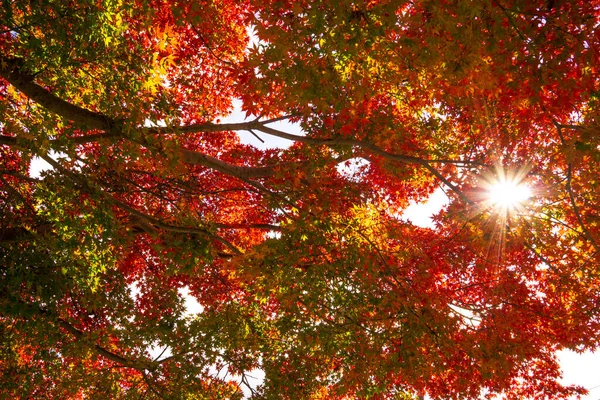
506, 195
509, 195
506, 191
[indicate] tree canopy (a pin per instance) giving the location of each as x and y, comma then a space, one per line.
302, 260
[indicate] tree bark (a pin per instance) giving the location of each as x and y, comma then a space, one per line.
11, 69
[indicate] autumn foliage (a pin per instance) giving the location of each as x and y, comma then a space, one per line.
301, 259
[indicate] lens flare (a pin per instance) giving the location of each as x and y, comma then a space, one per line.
505, 200
508, 194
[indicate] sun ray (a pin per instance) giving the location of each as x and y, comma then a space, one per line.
504, 196
506, 191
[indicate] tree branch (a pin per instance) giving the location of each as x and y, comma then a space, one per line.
583, 226
243, 172
268, 227
12, 70
569, 188
79, 335
22, 234
374, 150
18, 175
8, 140
140, 365
152, 222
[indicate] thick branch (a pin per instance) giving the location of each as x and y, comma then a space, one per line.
168, 227
261, 126
242, 172
20, 234
372, 149
207, 127
18, 175
12, 70
268, 227
140, 365
8, 140
200, 128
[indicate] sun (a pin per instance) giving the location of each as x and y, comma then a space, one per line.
507, 191
508, 194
